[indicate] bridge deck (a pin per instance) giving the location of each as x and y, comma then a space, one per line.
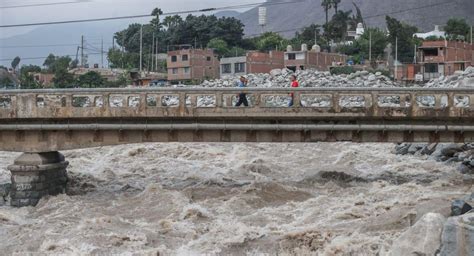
39, 120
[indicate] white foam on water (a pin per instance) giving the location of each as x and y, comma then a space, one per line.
250, 199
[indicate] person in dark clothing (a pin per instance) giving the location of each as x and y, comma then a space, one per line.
242, 96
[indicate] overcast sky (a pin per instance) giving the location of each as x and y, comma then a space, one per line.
94, 9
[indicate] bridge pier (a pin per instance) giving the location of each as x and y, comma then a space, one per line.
35, 175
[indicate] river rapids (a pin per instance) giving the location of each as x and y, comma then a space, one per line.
231, 199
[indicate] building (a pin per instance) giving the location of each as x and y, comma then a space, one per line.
45, 79
192, 65
146, 79
435, 33
252, 62
443, 58
111, 75
314, 59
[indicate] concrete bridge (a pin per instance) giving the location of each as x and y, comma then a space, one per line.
41, 121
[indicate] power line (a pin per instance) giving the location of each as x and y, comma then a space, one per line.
43, 4
42, 46
39, 58
149, 15
407, 10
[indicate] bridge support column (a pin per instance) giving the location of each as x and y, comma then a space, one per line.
35, 175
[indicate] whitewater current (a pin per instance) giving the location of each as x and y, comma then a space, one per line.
231, 199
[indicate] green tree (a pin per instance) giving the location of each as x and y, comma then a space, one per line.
155, 22
63, 79
126, 60
270, 41
336, 3
91, 79
27, 79
336, 29
457, 29
235, 52
15, 62
220, 46
308, 35
327, 5
49, 62
62, 62
379, 42
404, 34
6, 82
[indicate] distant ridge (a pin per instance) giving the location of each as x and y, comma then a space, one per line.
288, 18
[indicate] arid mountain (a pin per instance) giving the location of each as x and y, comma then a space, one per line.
288, 18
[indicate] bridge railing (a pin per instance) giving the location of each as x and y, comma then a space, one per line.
406, 103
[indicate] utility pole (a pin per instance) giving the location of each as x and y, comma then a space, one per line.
102, 52
315, 36
141, 48
370, 47
396, 58
471, 35
82, 51
123, 50
151, 51
414, 58
156, 55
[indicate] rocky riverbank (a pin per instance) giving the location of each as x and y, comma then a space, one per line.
318, 79
307, 78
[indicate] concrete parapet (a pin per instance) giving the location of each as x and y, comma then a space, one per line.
35, 175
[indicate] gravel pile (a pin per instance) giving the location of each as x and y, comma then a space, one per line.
460, 79
307, 78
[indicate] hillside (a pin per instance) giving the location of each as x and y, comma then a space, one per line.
288, 18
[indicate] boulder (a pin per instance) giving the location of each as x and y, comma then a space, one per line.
458, 236
402, 149
460, 207
415, 148
444, 152
429, 149
423, 238
275, 72
466, 169
5, 190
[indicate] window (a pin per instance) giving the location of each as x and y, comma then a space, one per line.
174, 58
431, 52
291, 56
184, 57
174, 71
187, 70
226, 68
239, 67
208, 58
431, 68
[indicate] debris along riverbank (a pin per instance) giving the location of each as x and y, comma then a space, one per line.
291, 199
307, 78
313, 78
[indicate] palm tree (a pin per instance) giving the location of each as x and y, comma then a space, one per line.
336, 4
327, 5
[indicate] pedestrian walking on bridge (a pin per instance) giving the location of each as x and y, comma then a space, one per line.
294, 84
242, 96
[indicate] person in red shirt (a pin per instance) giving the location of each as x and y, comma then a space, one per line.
294, 84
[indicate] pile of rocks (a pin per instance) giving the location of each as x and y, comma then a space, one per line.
459, 153
460, 79
307, 78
